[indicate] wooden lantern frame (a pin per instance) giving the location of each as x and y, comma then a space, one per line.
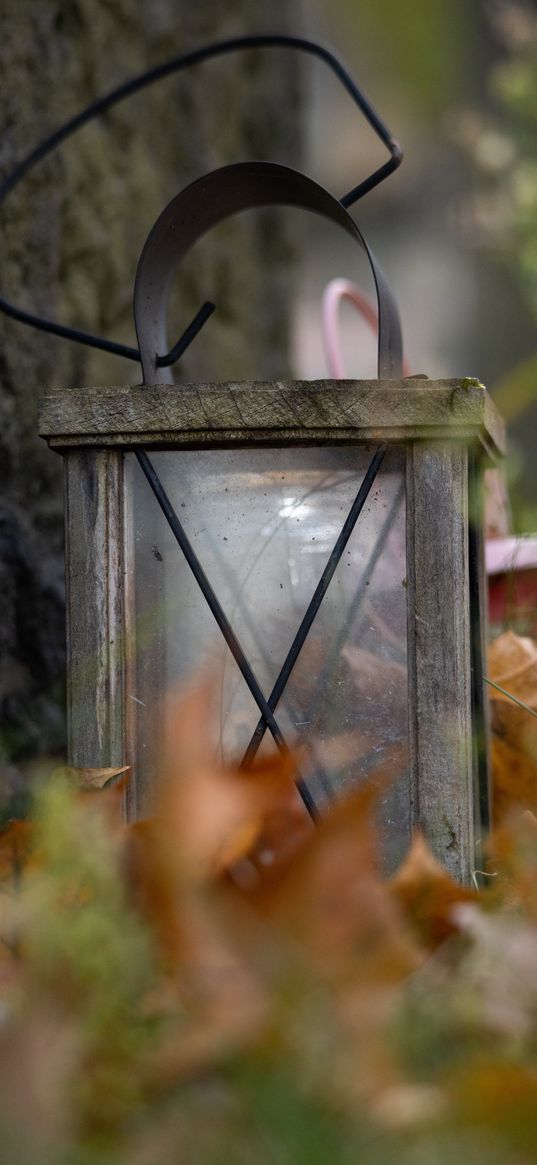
449, 429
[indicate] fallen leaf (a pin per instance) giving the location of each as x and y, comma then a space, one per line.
329, 898
427, 894
512, 663
514, 779
208, 819
509, 656
88, 779
16, 850
210, 816
512, 859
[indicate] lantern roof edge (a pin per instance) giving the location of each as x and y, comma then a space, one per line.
281, 411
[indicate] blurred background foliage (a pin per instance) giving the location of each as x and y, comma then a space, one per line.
456, 227
424, 49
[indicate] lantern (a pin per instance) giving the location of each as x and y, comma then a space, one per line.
319, 541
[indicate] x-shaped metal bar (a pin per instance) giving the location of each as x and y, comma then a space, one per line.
266, 707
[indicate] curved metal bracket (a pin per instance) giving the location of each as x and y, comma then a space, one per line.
205, 203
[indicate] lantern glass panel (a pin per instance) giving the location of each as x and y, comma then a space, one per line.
263, 523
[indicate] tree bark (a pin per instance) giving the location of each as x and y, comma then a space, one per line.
73, 232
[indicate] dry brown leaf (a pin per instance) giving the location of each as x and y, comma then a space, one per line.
16, 850
512, 861
514, 779
208, 819
88, 779
328, 906
282, 835
286, 829
329, 898
509, 657
213, 815
17, 856
223, 1000
512, 663
427, 894
152, 887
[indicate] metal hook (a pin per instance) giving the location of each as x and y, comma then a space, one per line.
150, 77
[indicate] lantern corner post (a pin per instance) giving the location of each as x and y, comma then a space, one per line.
97, 600
442, 749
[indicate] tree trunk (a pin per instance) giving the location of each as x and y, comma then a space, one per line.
73, 232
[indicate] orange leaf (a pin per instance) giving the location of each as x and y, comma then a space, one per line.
512, 663
208, 818
212, 815
514, 779
152, 887
16, 848
88, 779
330, 899
512, 852
427, 894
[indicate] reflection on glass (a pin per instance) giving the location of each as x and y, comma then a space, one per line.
263, 523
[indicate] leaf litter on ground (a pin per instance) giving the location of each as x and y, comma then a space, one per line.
224, 981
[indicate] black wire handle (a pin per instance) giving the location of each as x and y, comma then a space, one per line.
141, 81
206, 202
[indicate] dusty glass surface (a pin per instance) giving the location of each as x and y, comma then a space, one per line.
263, 523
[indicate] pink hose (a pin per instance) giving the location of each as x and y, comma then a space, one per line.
334, 292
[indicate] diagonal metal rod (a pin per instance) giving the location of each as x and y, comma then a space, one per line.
187, 337
374, 558
376, 553
315, 602
360, 592
315, 770
220, 616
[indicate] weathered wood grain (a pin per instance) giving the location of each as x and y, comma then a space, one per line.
96, 638
479, 636
439, 653
281, 412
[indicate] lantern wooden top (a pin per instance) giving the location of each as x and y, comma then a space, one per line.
273, 412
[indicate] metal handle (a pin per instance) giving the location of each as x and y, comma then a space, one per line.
205, 203
150, 77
